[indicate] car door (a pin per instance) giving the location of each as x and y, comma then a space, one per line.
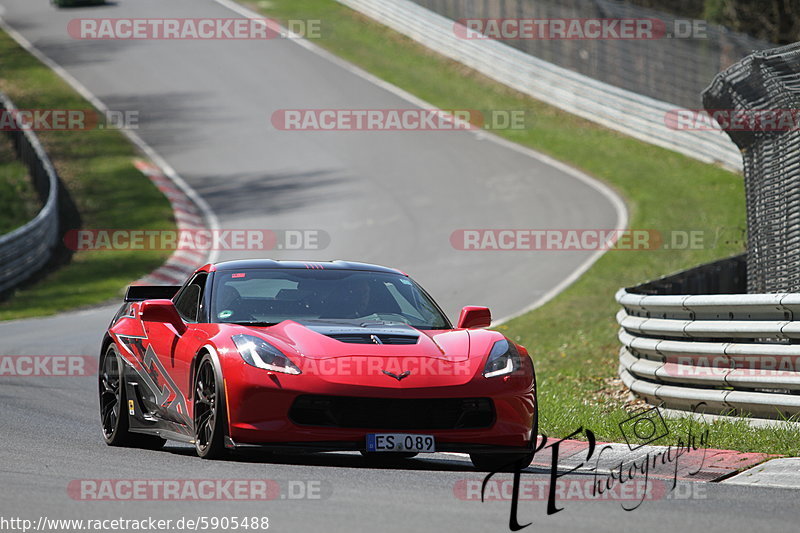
169, 354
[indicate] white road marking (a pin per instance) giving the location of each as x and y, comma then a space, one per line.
602, 188
210, 217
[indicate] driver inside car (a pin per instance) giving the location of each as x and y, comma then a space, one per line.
354, 299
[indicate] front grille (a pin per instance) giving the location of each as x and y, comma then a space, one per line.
366, 338
398, 414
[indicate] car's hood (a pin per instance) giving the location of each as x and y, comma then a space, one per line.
318, 339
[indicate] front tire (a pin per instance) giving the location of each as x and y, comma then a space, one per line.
510, 461
209, 412
113, 402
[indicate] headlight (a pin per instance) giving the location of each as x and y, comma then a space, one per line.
503, 359
261, 354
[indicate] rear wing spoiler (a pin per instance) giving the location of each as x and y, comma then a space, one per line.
137, 293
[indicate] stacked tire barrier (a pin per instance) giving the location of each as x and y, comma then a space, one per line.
630, 112
24, 251
766, 86
725, 337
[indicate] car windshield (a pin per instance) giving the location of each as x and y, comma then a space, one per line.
268, 296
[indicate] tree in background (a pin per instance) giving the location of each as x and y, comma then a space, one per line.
776, 21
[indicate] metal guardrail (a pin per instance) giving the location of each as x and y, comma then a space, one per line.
735, 353
28, 248
672, 69
616, 108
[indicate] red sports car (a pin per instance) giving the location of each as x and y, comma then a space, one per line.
321, 356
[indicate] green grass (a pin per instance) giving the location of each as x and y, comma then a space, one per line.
572, 339
18, 200
96, 166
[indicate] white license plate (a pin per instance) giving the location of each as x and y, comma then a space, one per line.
400, 442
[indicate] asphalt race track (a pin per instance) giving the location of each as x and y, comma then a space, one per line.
389, 198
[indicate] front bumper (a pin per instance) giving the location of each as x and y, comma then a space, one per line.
259, 405
358, 446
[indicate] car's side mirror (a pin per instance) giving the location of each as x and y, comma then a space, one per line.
474, 317
163, 311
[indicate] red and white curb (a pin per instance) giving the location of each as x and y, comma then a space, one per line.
188, 216
701, 464
692, 465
